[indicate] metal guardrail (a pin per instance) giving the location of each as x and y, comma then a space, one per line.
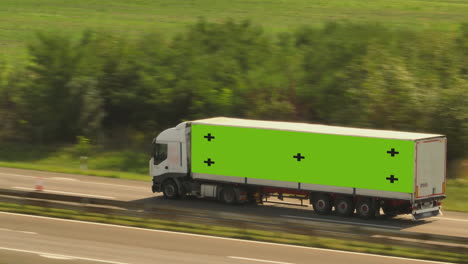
295, 226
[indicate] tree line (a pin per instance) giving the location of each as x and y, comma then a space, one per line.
105, 86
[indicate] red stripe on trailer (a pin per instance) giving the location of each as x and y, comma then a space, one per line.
431, 195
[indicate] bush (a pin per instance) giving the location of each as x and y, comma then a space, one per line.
360, 75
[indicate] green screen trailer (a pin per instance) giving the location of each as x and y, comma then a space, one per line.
318, 158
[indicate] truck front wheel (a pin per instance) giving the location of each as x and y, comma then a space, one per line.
321, 204
170, 189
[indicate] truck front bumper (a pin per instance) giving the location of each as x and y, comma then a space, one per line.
156, 185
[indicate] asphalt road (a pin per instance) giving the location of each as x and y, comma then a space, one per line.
33, 239
451, 223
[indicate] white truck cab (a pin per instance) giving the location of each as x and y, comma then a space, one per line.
169, 154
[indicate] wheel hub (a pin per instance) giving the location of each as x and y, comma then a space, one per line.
321, 204
228, 196
170, 190
364, 208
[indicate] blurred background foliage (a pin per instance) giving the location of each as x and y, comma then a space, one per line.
120, 92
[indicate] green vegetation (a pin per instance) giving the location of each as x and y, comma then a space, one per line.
63, 168
457, 195
20, 19
457, 187
247, 234
118, 91
126, 164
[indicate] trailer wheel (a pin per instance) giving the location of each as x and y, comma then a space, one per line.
228, 195
344, 206
170, 189
366, 209
321, 204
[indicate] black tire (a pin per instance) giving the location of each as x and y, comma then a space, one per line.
366, 209
322, 204
228, 195
344, 206
170, 189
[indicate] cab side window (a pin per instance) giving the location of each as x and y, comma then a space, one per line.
160, 153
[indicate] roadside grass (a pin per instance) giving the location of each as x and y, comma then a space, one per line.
457, 187
247, 234
64, 169
457, 195
124, 164
21, 19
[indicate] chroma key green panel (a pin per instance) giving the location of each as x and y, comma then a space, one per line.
347, 161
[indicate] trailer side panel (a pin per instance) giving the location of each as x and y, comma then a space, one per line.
301, 157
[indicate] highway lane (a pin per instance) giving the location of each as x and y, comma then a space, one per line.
33, 239
451, 223
99, 187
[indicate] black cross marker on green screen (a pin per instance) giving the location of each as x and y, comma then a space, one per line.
209, 162
209, 137
393, 152
392, 178
299, 157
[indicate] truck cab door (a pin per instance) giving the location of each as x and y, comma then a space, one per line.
166, 158
158, 162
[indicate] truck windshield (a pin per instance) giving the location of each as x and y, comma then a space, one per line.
160, 153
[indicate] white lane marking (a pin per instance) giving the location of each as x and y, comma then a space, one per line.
224, 238
28, 232
339, 222
18, 175
452, 219
62, 256
260, 260
25, 232
54, 256
63, 179
71, 179
117, 185
60, 192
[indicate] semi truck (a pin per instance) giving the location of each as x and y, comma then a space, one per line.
348, 171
